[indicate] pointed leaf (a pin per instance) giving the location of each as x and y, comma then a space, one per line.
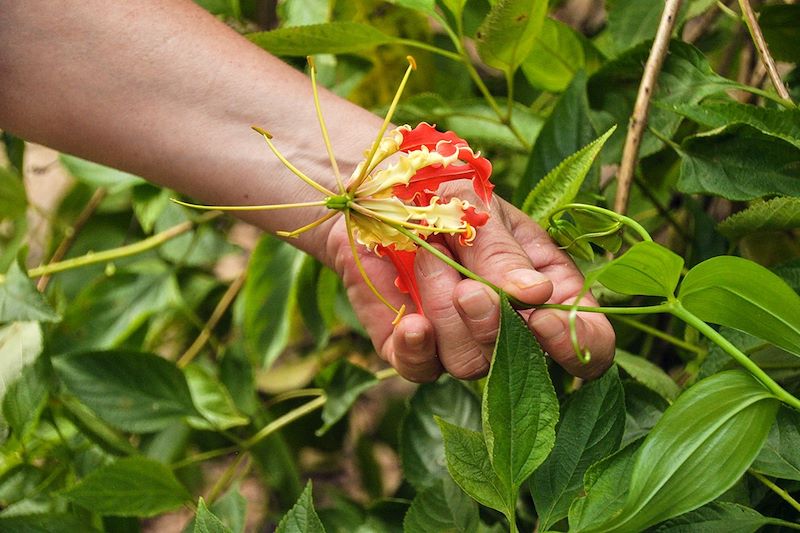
469, 465
343, 383
520, 408
442, 507
508, 32
134, 486
97, 175
212, 401
647, 268
734, 292
206, 522
590, 429
327, 38
136, 392
302, 517
20, 301
777, 214
562, 184
719, 516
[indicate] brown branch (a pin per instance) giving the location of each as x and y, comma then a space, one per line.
72, 233
763, 51
641, 108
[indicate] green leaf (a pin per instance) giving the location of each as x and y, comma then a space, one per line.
270, 277
565, 131
343, 383
94, 428
701, 446
231, 509
739, 163
781, 123
20, 345
206, 522
310, 283
477, 122
734, 292
26, 398
781, 27
421, 443
686, 77
469, 465
648, 374
20, 301
456, 7
556, 57
135, 392
134, 486
212, 401
149, 202
328, 38
631, 22
562, 184
647, 269
13, 198
441, 507
507, 34
780, 456
44, 523
777, 214
643, 410
301, 518
719, 516
96, 175
427, 7
520, 408
590, 429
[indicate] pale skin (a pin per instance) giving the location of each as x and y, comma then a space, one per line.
161, 89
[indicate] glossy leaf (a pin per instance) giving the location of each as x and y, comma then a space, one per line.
590, 429
718, 516
212, 401
739, 163
271, 274
97, 175
647, 269
469, 465
562, 184
135, 392
20, 301
442, 507
566, 130
648, 374
776, 214
712, 432
520, 408
780, 456
327, 38
556, 57
509, 31
738, 293
206, 522
343, 383
302, 517
781, 123
134, 486
421, 444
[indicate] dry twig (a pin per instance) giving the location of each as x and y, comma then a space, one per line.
763, 51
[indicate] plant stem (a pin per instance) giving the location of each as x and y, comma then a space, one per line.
645, 310
123, 251
654, 332
763, 50
628, 221
776, 489
641, 108
430, 48
782, 394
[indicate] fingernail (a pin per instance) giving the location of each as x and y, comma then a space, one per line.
414, 339
548, 326
476, 304
525, 278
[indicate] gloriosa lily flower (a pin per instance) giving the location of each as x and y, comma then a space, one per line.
391, 211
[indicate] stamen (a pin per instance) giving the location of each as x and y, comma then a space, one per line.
322, 126
270, 207
307, 227
360, 267
268, 137
404, 223
412, 65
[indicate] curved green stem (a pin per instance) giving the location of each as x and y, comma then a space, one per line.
430, 48
776, 489
654, 332
782, 394
645, 310
628, 221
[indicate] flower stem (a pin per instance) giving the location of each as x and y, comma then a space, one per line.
123, 251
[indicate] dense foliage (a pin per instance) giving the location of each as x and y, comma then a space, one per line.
138, 379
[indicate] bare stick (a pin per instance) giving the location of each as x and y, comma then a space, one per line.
763, 51
638, 120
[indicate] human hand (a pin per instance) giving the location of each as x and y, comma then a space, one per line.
457, 332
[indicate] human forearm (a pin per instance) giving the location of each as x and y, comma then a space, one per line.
161, 89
